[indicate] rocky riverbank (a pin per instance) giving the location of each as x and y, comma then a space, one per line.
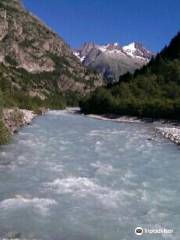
165, 128
16, 118
115, 118
171, 133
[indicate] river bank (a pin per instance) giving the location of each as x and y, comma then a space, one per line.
168, 129
171, 133
114, 118
12, 119
16, 118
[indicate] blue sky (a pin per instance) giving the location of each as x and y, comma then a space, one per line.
151, 22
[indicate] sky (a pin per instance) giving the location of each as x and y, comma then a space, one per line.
150, 22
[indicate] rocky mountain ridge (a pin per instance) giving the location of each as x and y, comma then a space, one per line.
113, 60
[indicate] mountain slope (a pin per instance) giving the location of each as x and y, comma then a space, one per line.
34, 60
112, 60
153, 91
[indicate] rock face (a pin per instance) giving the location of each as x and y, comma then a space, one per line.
112, 60
27, 43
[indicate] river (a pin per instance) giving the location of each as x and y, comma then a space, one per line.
70, 177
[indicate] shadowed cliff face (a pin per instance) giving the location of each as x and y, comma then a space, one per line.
27, 43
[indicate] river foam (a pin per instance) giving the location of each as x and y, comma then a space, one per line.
40, 204
81, 187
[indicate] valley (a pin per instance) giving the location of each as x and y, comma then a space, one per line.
90, 135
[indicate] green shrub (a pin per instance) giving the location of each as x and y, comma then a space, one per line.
4, 133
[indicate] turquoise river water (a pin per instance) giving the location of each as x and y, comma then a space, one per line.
70, 177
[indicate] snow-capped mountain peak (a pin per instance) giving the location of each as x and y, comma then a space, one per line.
130, 47
133, 50
113, 60
136, 50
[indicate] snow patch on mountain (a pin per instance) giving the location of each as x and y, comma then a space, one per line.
130, 49
77, 54
136, 50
